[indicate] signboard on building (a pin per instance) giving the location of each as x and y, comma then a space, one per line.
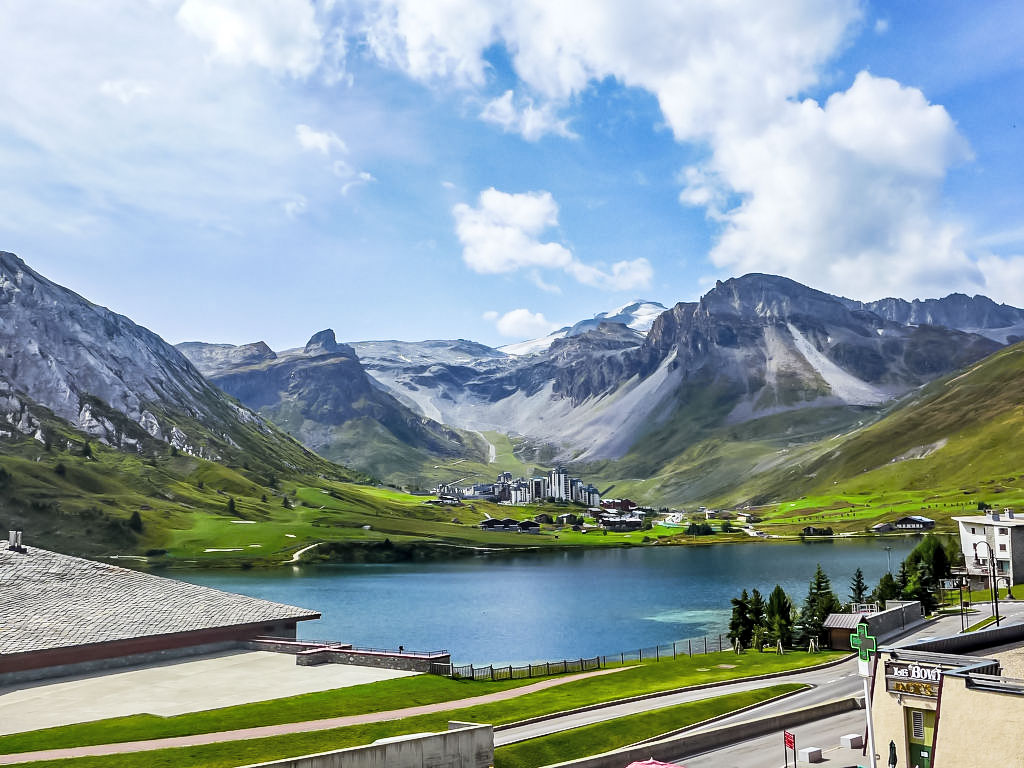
911, 678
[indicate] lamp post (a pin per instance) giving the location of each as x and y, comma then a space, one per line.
992, 571
888, 559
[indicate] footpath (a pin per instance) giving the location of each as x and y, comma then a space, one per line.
301, 727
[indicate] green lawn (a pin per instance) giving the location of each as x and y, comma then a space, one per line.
392, 694
603, 737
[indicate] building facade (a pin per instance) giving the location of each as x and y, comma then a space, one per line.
1003, 533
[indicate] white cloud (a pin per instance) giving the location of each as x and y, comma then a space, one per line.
502, 235
125, 91
881, 26
319, 141
845, 194
531, 122
296, 206
842, 195
280, 35
521, 323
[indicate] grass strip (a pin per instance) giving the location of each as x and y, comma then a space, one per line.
648, 677
981, 624
623, 731
235, 753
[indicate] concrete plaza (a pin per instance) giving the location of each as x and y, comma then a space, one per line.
173, 687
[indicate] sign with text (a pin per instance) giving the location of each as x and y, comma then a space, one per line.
912, 678
790, 739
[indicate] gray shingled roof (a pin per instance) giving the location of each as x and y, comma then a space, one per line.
51, 600
844, 620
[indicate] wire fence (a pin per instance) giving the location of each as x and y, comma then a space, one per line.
666, 652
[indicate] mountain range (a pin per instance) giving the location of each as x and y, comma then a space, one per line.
692, 402
623, 396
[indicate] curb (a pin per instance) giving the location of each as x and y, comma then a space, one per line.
669, 692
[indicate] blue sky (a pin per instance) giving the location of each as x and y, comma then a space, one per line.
229, 170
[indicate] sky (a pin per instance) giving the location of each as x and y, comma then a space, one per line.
243, 170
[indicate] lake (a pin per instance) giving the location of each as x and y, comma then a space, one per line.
549, 606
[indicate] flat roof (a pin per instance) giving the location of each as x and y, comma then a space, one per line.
52, 600
1002, 522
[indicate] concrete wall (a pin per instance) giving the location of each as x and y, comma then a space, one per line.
697, 743
466, 745
897, 616
405, 662
971, 641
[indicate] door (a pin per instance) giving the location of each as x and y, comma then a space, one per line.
920, 737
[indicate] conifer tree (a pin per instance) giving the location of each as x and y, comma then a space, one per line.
231, 505
820, 602
780, 616
887, 589
740, 626
758, 619
858, 587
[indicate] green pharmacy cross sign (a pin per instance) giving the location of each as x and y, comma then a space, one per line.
863, 642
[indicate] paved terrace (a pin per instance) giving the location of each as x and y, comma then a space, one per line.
55, 601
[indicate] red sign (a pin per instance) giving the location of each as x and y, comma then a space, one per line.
790, 739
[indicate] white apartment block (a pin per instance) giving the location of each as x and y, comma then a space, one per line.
1004, 534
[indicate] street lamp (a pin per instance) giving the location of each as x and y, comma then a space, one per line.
992, 570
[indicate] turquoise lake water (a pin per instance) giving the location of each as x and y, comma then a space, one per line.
549, 606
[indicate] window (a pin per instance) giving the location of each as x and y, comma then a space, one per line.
918, 724
1003, 565
1002, 547
1004, 531
972, 530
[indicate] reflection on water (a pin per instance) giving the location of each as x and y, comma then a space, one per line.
552, 605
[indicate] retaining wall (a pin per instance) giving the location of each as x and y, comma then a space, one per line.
464, 745
380, 659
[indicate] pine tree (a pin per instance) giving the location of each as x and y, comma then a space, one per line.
758, 619
820, 602
87, 450
135, 522
780, 616
231, 505
858, 587
740, 626
902, 578
285, 503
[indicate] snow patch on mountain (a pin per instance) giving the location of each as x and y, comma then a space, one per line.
639, 315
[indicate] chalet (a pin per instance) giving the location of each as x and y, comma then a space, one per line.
914, 523
528, 526
747, 517
810, 530
544, 518
622, 523
568, 519
882, 527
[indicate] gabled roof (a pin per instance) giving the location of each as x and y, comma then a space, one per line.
844, 620
52, 600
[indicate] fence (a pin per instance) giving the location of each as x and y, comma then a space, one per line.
691, 647
510, 672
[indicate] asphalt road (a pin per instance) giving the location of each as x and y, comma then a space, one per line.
837, 682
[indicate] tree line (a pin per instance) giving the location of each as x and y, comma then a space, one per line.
755, 622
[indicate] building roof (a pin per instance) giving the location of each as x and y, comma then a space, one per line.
1002, 522
844, 620
915, 518
52, 600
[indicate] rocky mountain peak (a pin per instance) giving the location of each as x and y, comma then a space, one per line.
322, 342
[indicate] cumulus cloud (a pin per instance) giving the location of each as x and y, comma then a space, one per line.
280, 35
532, 123
502, 234
520, 323
841, 195
844, 193
320, 141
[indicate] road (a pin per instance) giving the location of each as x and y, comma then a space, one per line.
837, 682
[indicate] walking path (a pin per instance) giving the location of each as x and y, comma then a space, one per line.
303, 727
